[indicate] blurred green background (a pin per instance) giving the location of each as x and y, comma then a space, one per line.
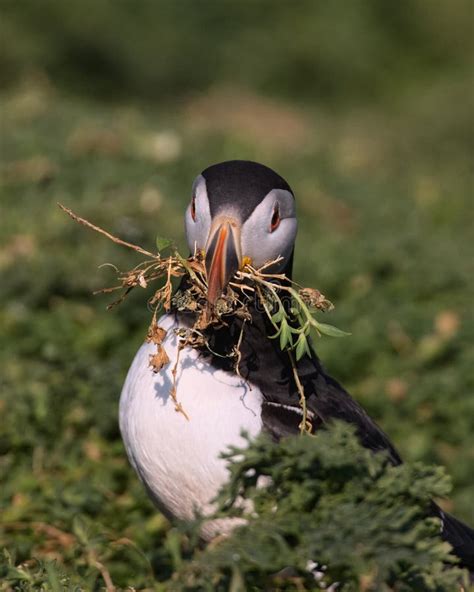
112, 108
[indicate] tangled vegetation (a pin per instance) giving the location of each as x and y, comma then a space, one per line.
326, 498
323, 497
260, 286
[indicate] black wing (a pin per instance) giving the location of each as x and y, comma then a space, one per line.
264, 365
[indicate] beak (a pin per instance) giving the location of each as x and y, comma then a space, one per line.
223, 255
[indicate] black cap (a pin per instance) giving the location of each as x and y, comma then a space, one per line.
240, 183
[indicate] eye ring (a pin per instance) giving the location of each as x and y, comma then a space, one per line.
275, 221
193, 208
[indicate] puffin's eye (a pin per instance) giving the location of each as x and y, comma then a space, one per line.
275, 222
193, 208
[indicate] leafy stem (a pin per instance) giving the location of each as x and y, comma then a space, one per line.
292, 328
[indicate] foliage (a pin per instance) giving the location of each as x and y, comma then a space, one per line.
310, 50
328, 499
376, 142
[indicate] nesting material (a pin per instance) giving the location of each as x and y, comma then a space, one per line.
289, 307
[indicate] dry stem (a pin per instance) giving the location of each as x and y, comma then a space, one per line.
305, 424
177, 405
113, 238
104, 572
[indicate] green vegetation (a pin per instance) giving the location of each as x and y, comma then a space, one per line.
327, 481
112, 110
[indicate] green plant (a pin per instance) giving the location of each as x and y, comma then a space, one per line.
326, 511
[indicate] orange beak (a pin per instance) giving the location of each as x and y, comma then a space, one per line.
222, 256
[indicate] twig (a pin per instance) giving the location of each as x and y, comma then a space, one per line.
113, 238
168, 289
267, 264
104, 572
177, 405
305, 424
238, 355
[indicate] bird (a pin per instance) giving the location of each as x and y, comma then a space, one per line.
239, 212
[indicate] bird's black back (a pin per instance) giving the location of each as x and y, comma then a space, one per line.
264, 365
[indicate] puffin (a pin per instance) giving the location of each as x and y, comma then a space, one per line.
239, 212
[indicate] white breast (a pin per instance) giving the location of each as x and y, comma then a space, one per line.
178, 460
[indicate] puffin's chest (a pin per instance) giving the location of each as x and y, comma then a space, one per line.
176, 458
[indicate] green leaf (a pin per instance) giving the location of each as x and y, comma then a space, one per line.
80, 529
54, 578
163, 243
330, 330
275, 335
285, 335
302, 347
278, 316
186, 265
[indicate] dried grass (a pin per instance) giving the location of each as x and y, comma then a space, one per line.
269, 290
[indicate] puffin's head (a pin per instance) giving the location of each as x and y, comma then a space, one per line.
240, 212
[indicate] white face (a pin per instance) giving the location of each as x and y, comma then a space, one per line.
268, 233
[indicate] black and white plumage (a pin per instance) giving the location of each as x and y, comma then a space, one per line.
238, 210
